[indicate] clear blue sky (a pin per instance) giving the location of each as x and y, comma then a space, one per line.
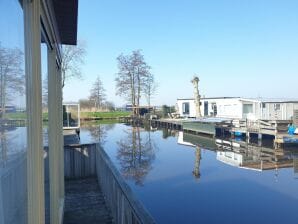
237, 47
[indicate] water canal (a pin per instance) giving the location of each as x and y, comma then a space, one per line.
181, 178
181, 183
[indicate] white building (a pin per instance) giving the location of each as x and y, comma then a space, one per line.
239, 108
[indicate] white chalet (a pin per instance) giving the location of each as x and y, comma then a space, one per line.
239, 108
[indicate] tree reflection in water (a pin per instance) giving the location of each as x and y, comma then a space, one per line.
196, 172
99, 131
136, 153
3, 146
4, 142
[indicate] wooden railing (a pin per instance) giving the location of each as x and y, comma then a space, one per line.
125, 207
80, 161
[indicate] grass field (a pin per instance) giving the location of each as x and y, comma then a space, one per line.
15, 116
103, 115
22, 116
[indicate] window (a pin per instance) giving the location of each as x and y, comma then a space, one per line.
185, 108
214, 108
277, 106
247, 108
263, 105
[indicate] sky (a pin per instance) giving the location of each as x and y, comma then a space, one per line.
243, 48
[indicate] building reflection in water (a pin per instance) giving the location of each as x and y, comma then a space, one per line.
241, 154
136, 152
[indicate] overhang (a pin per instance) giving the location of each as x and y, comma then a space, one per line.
66, 15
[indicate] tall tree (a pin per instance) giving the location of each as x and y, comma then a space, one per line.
97, 93
12, 78
150, 87
72, 59
131, 76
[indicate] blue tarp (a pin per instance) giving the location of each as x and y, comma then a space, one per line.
291, 130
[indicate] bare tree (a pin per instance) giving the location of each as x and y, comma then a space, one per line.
150, 87
110, 106
125, 80
130, 79
97, 93
12, 78
72, 59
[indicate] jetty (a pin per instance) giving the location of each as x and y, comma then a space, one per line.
275, 129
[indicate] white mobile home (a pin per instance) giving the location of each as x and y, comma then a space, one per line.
239, 108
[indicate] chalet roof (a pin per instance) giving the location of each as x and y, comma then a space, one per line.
262, 100
271, 100
210, 98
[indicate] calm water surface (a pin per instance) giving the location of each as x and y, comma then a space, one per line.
180, 183
182, 178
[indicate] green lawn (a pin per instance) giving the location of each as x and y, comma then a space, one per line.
22, 116
103, 115
114, 114
15, 116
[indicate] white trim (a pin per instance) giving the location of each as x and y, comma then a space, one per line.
35, 161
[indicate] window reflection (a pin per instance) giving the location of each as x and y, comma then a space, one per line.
13, 140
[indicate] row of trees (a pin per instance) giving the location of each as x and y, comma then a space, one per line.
97, 98
134, 79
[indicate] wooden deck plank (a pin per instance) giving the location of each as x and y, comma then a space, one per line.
85, 203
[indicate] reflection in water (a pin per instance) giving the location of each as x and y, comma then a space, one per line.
98, 131
8, 144
196, 171
241, 154
12, 176
136, 153
3, 146
168, 133
163, 179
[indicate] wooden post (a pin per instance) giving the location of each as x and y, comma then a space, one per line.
35, 161
247, 137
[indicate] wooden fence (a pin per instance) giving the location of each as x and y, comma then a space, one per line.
91, 160
125, 207
79, 161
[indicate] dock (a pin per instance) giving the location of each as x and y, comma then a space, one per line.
277, 129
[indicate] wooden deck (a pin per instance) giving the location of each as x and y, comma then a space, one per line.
210, 126
85, 203
70, 137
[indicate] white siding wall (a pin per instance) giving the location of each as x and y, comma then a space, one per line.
285, 112
192, 108
226, 108
233, 108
